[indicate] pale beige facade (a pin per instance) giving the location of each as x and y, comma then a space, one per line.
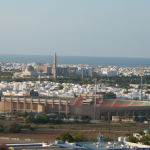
63, 106
45, 105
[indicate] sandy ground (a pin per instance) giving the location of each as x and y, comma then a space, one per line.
50, 136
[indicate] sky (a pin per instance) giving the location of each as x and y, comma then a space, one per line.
104, 28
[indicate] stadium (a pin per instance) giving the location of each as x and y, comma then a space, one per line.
83, 105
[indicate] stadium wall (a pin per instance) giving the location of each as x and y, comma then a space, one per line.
107, 108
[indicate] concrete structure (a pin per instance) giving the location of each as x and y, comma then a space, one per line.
114, 145
55, 67
80, 106
35, 104
83, 74
116, 119
29, 72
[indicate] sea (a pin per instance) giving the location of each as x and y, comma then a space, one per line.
86, 60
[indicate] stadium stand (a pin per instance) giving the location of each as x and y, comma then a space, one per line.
137, 103
72, 103
78, 102
106, 103
121, 103
97, 102
147, 104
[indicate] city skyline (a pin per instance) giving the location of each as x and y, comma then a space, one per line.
75, 28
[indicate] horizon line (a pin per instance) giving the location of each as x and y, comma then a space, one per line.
74, 56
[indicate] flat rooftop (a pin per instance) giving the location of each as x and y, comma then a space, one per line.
112, 145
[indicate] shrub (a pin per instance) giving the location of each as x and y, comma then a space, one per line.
29, 119
60, 127
79, 137
26, 126
12, 128
51, 127
2, 117
141, 132
32, 128
107, 139
75, 121
1, 129
132, 139
143, 119
65, 137
145, 140
3, 148
105, 118
93, 139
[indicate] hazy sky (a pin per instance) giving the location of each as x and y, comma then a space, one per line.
111, 28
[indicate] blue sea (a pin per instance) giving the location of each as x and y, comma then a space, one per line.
92, 61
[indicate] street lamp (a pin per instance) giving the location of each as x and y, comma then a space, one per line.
95, 100
141, 73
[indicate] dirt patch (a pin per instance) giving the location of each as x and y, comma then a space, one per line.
52, 135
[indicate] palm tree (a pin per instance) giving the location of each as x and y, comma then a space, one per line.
136, 119
83, 118
68, 117
120, 118
128, 116
60, 117
89, 117
76, 117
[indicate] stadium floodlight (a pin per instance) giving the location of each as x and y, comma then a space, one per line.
40, 68
95, 100
141, 73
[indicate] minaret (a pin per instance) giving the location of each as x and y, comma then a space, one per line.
55, 67
91, 71
83, 73
69, 70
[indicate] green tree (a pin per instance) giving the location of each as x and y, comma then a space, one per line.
143, 119
44, 119
26, 126
76, 117
32, 128
79, 137
1, 129
89, 118
65, 137
75, 95
24, 114
68, 117
83, 118
53, 117
120, 118
132, 139
18, 114
60, 87
60, 117
31, 114
29, 119
106, 139
12, 128
129, 115
136, 119
145, 140
105, 118
13, 113
3, 147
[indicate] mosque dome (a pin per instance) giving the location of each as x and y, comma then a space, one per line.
29, 68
